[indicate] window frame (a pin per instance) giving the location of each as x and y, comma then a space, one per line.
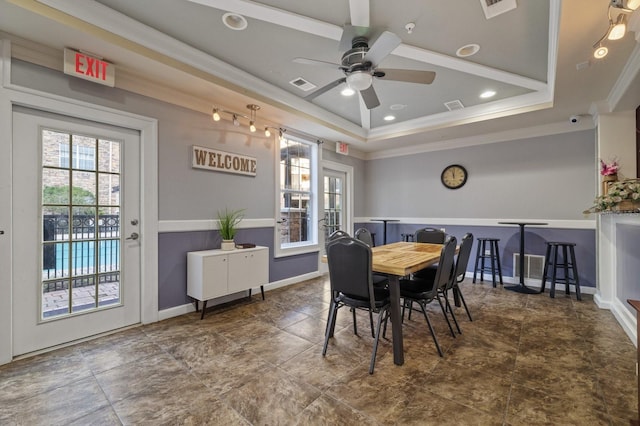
312, 244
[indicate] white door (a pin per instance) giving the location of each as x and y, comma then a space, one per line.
337, 203
75, 238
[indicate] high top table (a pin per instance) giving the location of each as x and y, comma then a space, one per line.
522, 288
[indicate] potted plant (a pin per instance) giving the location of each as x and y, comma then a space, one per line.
622, 196
229, 219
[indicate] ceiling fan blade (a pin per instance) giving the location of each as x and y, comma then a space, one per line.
325, 88
384, 45
409, 76
349, 32
370, 98
359, 12
307, 61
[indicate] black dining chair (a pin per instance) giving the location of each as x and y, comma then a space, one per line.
464, 253
364, 235
337, 234
351, 280
432, 236
424, 291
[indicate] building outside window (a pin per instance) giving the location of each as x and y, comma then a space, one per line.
296, 230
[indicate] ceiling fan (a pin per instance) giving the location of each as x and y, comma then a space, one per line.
360, 64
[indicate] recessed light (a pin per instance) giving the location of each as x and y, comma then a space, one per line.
397, 107
488, 94
468, 50
389, 117
234, 21
347, 91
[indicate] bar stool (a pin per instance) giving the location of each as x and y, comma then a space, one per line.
567, 266
493, 257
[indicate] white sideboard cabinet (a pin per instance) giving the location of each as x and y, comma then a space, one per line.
215, 273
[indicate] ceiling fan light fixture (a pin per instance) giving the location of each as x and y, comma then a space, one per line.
252, 127
618, 30
359, 80
234, 21
347, 91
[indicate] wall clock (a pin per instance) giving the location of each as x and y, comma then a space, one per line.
454, 176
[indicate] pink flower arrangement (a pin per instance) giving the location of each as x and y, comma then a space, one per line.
609, 169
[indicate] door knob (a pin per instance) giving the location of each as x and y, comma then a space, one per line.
134, 236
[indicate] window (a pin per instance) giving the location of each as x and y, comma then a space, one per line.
83, 156
296, 230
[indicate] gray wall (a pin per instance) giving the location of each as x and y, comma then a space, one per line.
544, 178
550, 177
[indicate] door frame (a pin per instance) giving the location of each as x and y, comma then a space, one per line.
348, 200
11, 94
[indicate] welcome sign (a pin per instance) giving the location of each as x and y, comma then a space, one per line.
221, 161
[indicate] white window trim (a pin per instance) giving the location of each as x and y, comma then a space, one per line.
312, 245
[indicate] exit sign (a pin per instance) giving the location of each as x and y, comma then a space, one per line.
342, 148
88, 67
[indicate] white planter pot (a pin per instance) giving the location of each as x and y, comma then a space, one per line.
228, 245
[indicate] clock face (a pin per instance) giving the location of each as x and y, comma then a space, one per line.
454, 176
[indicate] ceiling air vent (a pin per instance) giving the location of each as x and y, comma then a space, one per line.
494, 8
302, 84
454, 105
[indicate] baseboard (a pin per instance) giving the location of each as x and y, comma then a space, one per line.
626, 320
176, 311
534, 284
190, 307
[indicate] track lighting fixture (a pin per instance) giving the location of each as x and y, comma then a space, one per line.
618, 28
252, 114
217, 112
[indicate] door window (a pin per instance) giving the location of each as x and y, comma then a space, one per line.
80, 219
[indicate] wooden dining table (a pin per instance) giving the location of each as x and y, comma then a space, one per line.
398, 260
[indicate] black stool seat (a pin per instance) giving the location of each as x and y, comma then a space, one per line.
493, 258
566, 265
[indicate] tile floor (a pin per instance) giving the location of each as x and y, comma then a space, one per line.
524, 360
